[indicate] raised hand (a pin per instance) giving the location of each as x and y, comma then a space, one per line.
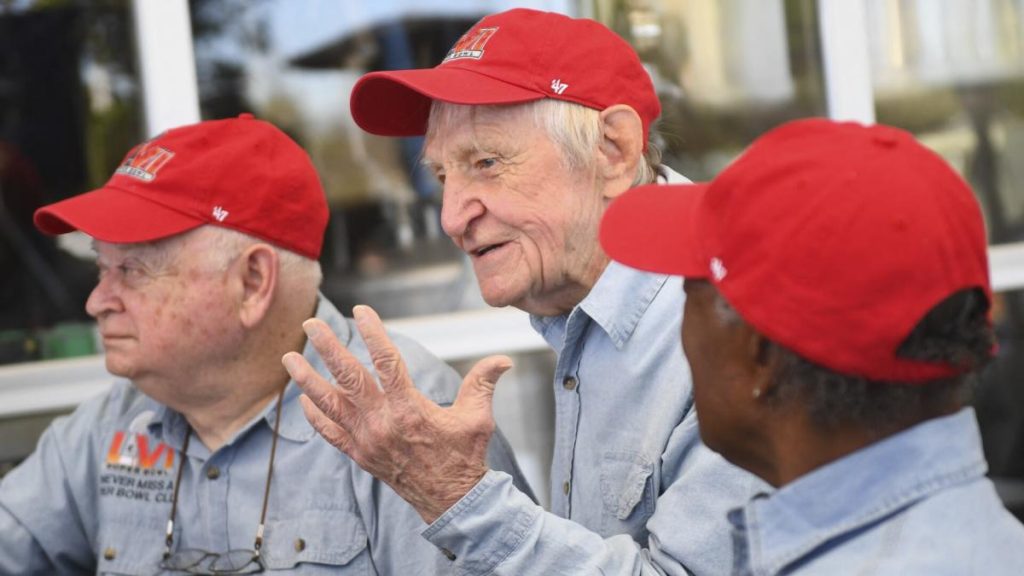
431, 456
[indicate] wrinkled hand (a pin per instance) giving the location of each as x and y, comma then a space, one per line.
431, 456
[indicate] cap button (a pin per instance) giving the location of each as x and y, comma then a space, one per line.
246, 116
885, 139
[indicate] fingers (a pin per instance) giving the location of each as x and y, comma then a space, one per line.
477, 391
327, 398
324, 425
350, 374
311, 383
386, 359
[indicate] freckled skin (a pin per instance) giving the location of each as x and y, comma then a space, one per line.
506, 186
162, 323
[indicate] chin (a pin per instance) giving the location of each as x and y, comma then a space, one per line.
495, 300
498, 298
118, 368
713, 444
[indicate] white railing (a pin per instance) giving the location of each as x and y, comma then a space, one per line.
54, 385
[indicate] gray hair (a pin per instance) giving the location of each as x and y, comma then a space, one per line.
575, 129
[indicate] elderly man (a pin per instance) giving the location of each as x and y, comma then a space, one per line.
201, 460
534, 122
837, 308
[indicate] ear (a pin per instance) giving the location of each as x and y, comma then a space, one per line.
757, 360
257, 269
765, 364
621, 148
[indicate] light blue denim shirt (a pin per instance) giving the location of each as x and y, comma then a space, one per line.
917, 503
96, 494
634, 491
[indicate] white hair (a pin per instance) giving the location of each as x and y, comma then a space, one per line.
575, 129
220, 247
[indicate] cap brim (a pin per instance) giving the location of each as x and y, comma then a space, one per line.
655, 228
113, 215
397, 103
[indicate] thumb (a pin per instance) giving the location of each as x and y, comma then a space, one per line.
477, 389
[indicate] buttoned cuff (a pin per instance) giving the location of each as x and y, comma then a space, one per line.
484, 527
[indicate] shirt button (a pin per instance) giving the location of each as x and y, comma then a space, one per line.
569, 383
448, 554
213, 473
565, 487
109, 554
300, 544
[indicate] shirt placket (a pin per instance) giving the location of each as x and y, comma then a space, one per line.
567, 413
211, 482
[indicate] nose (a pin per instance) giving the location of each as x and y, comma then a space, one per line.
460, 206
103, 299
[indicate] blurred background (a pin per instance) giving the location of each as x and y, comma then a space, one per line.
81, 81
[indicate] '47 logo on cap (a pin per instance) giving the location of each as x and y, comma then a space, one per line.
471, 45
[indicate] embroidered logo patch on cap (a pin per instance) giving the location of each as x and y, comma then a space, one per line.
471, 45
145, 161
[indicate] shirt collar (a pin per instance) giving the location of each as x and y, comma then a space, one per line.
616, 303
860, 489
164, 423
670, 176
619, 299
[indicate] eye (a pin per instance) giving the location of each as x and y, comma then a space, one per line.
485, 163
130, 270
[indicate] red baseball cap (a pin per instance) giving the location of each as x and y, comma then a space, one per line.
831, 239
516, 56
241, 173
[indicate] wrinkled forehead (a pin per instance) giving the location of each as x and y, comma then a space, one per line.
452, 126
155, 253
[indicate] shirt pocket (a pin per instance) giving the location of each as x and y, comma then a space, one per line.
318, 541
627, 489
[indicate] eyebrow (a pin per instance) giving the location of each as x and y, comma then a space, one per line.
430, 165
497, 147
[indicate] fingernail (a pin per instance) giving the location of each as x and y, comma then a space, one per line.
504, 363
311, 327
361, 314
291, 363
